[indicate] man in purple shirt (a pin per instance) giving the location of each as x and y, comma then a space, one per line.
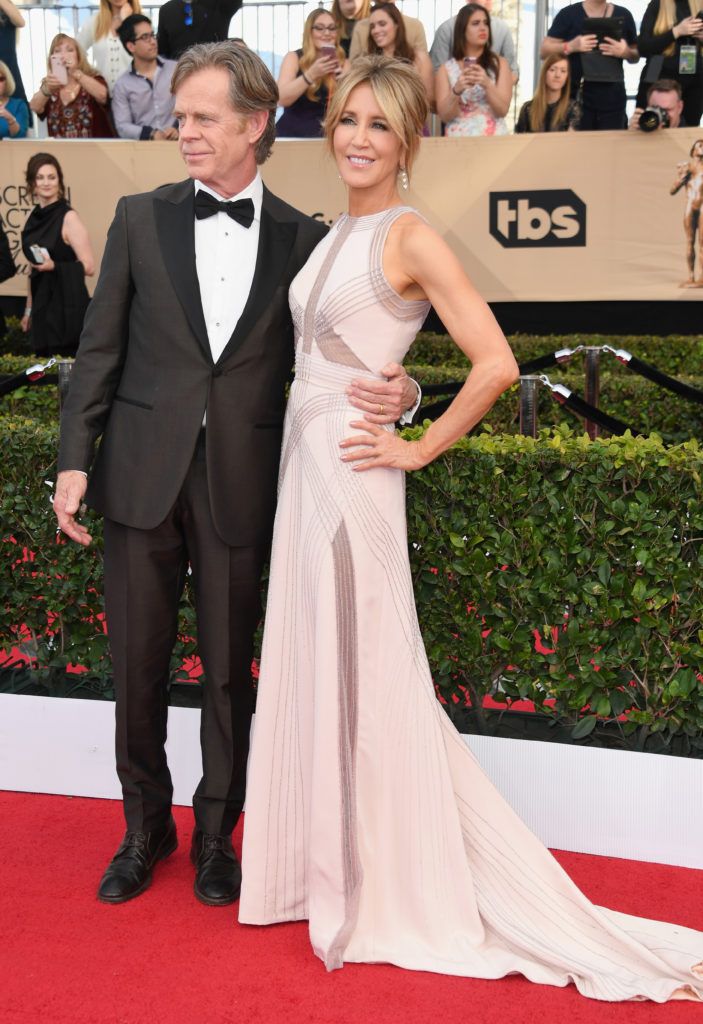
142, 104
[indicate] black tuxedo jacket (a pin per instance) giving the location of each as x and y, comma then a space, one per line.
144, 374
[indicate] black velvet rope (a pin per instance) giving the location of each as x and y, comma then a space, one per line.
453, 387
450, 387
431, 412
540, 363
669, 383
10, 384
577, 405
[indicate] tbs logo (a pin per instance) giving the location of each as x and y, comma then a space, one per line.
551, 218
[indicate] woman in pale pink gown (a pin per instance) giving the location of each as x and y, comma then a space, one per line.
366, 814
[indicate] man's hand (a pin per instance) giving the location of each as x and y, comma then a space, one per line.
171, 133
384, 401
635, 119
70, 488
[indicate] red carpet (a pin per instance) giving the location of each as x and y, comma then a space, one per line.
165, 959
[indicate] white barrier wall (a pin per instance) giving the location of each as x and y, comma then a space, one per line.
614, 803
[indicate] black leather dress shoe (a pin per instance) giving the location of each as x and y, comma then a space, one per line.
129, 872
218, 876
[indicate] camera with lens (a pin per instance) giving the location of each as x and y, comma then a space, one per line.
652, 118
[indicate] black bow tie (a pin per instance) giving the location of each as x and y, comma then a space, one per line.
241, 210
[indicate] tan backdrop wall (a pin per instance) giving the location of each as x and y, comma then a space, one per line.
574, 217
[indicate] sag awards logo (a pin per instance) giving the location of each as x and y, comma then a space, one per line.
15, 206
689, 176
545, 218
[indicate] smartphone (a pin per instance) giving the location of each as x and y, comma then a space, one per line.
58, 69
39, 254
330, 52
468, 61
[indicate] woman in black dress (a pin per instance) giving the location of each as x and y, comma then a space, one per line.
551, 109
56, 244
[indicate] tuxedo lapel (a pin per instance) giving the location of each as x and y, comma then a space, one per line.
174, 214
276, 240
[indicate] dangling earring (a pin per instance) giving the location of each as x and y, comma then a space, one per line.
403, 175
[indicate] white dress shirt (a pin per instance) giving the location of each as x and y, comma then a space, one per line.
225, 258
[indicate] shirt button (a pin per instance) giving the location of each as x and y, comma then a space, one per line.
222, 279
217, 325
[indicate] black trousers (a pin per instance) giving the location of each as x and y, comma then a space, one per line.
145, 571
593, 120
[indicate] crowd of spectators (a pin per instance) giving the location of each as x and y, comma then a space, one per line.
114, 78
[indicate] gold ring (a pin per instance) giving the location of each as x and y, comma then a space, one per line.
381, 407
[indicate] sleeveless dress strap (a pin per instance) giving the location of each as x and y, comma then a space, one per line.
403, 309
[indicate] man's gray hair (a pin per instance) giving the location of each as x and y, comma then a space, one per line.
252, 87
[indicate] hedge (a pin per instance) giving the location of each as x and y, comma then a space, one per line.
638, 403
631, 399
675, 354
597, 546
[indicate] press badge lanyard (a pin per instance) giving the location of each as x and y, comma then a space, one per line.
687, 59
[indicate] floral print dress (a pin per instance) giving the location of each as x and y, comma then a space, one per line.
475, 114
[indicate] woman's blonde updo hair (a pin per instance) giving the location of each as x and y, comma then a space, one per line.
399, 92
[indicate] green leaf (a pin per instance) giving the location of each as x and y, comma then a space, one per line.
584, 727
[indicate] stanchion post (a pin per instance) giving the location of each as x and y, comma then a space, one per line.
65, 369
592, 394
529, 396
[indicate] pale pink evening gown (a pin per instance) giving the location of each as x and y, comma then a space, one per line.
365, 812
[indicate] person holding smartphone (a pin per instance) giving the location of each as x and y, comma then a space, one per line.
474, 87
595, 60
308, 77
671, 38
57, 247
72, 97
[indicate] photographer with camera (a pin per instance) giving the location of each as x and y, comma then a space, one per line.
664, 107
671, 38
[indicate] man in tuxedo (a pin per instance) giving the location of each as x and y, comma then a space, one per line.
181, 370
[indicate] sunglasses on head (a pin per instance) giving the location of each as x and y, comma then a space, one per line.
188, 12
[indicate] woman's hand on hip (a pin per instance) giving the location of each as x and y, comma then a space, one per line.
379, 448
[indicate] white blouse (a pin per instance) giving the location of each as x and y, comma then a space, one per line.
109, 55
